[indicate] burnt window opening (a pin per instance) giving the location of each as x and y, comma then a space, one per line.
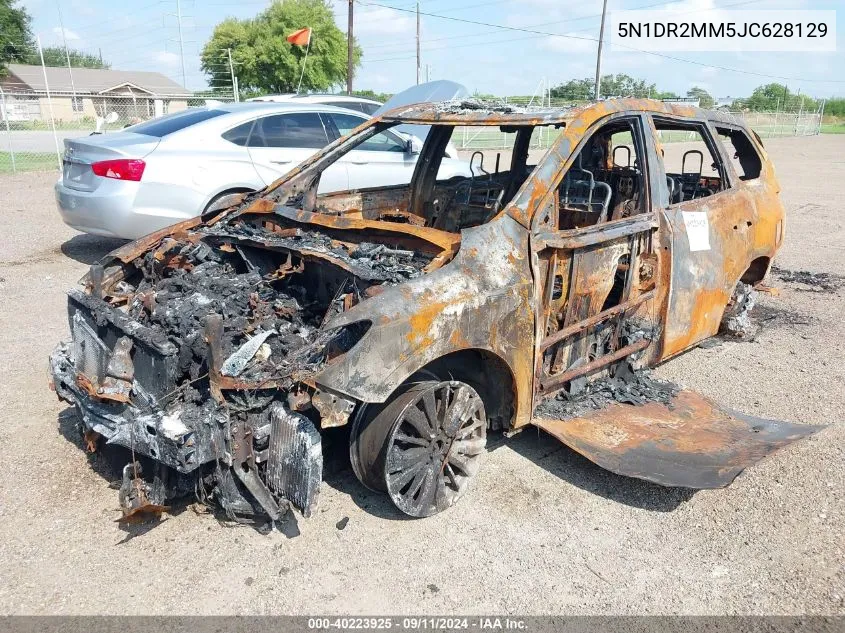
744, 157
465, 196
692, 164
617, 290
433, 184
606, 181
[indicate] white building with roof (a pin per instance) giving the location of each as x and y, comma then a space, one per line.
88, 92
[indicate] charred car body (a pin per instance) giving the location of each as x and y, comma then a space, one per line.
426, 314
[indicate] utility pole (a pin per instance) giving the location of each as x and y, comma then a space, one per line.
67, 56
598, 55
181, 43
234, 79
49, 102
418, 43
349, 51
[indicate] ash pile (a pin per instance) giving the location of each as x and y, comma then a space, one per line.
369, 261
177, 300
626, 386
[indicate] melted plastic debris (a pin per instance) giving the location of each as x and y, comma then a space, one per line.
814, 282
371, 262
627, 386
177, 305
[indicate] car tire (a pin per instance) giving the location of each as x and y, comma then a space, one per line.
422, 446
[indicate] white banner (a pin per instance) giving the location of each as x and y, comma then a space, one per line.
673, 30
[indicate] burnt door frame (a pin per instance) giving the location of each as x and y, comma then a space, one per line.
699, 281
575, 268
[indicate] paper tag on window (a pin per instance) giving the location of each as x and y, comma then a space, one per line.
698, 230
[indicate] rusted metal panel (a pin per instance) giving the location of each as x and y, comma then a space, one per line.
691, 443
596, 234
482, 299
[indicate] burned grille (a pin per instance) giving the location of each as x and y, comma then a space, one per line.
94, 338
295, 463
90, 354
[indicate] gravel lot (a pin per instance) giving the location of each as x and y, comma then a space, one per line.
541, 531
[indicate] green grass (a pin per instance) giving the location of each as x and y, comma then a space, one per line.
83, 123
833, 128
29, 161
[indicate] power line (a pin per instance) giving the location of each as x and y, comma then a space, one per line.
568, 20
593, 39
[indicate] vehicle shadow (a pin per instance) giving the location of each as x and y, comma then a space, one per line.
563, 462
108, 463
88, 249
338, 474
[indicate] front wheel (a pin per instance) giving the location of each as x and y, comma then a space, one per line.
422, 446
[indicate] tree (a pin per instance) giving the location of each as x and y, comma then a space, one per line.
835, 107
579, 89
664, 94
266, 62
55, 56
704, 98
15, 34
620, 85
384, 97
768, 97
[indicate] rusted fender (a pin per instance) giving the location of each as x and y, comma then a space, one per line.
480, 300
691, 443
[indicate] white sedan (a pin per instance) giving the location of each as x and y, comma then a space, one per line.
172, 168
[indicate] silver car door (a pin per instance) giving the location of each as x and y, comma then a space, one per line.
380, 161
279, 142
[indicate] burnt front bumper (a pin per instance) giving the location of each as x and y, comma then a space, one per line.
200, 440
181, 438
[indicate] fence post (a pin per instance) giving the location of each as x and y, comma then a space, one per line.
5, 111
821, 116
49, 103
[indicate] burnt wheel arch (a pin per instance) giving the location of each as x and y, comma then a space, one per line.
488, 374
756, 271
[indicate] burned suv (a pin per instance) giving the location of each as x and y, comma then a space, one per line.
427, 314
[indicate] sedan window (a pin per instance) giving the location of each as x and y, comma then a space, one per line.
349, 105
369, 108
171, 123
300, 130
381, 142
239, 135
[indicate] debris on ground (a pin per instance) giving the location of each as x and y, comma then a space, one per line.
626, 385
736, 320
814, 282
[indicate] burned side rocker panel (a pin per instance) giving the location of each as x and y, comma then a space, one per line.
690, 443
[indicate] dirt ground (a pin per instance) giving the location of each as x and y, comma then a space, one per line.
542, 531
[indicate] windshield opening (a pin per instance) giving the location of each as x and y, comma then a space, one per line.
457, 178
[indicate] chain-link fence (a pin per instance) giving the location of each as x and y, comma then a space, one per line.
798, 122
33, 126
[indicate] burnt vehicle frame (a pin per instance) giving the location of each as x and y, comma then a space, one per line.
430, 313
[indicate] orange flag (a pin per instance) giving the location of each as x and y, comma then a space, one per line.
300, 38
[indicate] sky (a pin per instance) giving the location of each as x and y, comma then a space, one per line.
143, 35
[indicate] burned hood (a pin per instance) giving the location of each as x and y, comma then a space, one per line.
349, 242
